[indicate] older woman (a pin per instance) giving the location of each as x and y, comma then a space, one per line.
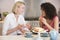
14, 22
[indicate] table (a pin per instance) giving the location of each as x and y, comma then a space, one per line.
21, 37
16, 38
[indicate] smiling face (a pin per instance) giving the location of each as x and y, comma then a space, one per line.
19, 8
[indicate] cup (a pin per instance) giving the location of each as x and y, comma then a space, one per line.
28, 34
44, 34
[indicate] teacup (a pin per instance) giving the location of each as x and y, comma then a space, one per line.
28, 34
44, 34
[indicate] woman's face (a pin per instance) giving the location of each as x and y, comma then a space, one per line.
20, 8
43, 13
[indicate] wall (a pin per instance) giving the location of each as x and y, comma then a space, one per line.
6, 5
33, 8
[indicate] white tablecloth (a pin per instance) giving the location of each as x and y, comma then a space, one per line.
21, 37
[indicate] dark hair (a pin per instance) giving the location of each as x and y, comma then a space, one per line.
49, 9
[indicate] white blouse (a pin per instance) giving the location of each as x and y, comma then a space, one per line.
10, 23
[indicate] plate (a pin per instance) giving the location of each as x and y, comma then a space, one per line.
38, 29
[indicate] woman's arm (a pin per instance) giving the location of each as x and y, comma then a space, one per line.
19, 27
56, 24
40, 23
6, 27
12, 30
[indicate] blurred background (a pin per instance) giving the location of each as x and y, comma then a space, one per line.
32, 10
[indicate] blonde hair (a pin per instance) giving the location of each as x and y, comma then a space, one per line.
14, 7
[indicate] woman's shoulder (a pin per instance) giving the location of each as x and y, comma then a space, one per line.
9, 15
56, 18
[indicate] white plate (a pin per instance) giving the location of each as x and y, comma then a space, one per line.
41, 30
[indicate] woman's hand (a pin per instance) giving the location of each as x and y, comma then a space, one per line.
17, 27
43, 20
28, 26
20, 26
